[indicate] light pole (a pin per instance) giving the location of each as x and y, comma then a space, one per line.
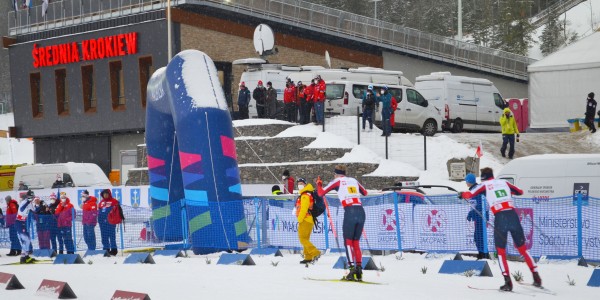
375, 14
169, 51
460, 20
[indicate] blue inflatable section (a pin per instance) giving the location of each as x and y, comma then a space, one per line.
192, 159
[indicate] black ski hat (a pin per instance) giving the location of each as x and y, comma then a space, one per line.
300, 179
591, 95
286, 173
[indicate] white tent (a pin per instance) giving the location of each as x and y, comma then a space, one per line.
559, 83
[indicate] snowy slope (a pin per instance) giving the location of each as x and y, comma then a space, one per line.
193, 278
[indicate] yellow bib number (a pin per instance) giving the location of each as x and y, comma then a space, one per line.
352, 190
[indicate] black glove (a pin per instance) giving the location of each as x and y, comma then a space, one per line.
459, 195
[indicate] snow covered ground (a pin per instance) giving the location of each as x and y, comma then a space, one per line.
193, 278
14, 151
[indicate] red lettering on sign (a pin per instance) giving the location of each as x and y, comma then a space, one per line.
34, 53
42, 56
93, 53
74, 52
85, 49
62, 51
131, 42
48, 50
101, 48
55, 56
120, 44
109, 46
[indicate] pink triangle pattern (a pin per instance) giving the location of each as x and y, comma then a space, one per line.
228, 145
154, 163
188, 159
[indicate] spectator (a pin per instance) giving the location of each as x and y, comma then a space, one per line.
43, 221
385, 98
90, 219
349, 191
475, 215
304, 204
53, 225
271, 103
319, 98
301, 103
1, 218
260, 96
59, 183
22, 186
288, 182
509, 129
64, 215
107, 231
368, 105
275, 190
243, 101
590, 112
12, 207
498, 194
307, 104
289, 100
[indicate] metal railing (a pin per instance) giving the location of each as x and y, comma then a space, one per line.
293, 12
557, 8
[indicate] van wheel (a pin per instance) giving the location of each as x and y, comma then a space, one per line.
458, 126
429, 127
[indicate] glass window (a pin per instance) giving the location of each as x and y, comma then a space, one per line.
499, 101
414, 97
335, 91
89, 88
416, 200
358, 90
396, 93
37, 108
117, 85
146, 71
62, 95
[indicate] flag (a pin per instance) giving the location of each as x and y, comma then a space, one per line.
479, 151
44, 8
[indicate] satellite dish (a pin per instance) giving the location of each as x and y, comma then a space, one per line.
327, 59
264, 40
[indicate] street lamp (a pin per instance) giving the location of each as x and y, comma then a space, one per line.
169, 49
375, 1
460, 20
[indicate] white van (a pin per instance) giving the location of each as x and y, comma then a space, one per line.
43, 176
546, 176
259, 69
469, 103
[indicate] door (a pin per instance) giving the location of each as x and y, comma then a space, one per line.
414, 112
485, 108
462, 104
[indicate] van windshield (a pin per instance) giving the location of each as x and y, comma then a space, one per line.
335, 91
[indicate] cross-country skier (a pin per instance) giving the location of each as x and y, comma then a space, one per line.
498, 194
26, 205
349, 191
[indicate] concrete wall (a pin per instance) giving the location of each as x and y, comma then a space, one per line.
5, 7
413, 67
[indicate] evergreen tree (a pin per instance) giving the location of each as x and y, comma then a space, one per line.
513, 33
551, 38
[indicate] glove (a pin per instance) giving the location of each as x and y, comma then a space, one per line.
319, 181
459, 195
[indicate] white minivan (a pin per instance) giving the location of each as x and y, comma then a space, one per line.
469, 103
43, 176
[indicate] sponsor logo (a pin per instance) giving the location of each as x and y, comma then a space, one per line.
135, 195
118, 195
526, 218
435, 221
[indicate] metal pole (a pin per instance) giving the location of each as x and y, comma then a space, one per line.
256, 212
579, 226
170, 50
425, 151
398, 236
358, 124
386, 141
460, 34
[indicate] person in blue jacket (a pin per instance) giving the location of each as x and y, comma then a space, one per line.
385, 98
475, 215
243, 101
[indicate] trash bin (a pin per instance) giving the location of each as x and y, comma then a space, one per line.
573, 125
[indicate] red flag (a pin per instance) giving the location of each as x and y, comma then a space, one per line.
479, 151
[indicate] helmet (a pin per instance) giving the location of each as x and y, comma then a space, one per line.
299, 82
470, 178
370, 87
300, 179
385, 87
260, 82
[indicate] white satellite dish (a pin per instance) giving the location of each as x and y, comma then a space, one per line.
264, 40
327, 59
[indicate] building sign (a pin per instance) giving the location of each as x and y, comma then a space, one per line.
92, 49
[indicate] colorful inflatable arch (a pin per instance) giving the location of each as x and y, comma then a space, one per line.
194, 178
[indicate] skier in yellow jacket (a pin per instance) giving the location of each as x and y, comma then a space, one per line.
305, 220
509, 129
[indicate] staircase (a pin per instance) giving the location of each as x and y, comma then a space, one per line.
557, 8
262, 158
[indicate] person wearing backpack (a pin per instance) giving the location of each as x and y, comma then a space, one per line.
306, 222
349, 191
89, 219
108, 231
64, 214
368, 105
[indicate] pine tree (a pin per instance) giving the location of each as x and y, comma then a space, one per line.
551, 36
513, 33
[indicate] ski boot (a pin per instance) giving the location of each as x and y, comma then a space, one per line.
351, 275
537, 280
12, 252
27, 259
507, 287
358, 274
305, 261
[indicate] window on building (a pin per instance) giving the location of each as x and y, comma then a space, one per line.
89, 88
146, 71
62, 94
37, 108
117, 85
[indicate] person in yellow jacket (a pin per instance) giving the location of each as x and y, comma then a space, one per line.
305, 220
509, 129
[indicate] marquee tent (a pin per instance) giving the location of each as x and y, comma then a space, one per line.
559, 84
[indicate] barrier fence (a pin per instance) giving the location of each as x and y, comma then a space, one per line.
566, 227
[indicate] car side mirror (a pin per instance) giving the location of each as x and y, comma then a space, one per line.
426, 103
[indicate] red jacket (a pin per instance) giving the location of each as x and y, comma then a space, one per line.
309, 91
319, 92
289, 94
11, 212
64, 212
289, 187
90, 211
105, 206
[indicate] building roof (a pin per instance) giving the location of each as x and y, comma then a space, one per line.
583, 54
